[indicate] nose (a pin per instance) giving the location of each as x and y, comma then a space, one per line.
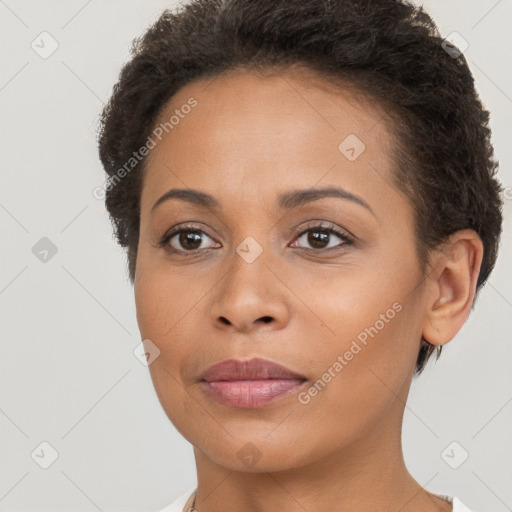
250, 297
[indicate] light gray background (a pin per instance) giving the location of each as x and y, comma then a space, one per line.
68, 326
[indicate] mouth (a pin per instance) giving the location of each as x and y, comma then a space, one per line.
250, 384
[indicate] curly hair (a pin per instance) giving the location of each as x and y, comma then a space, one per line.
389, 50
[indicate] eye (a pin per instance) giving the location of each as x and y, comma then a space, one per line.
190, 239
184, 239
320, 236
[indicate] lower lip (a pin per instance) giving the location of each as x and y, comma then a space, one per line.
250, 394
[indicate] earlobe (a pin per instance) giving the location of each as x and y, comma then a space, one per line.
452, 286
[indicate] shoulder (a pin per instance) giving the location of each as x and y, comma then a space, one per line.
458, 506
180, 502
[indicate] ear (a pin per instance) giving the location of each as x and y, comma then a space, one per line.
452, 286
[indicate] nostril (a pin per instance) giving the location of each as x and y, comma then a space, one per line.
266, 319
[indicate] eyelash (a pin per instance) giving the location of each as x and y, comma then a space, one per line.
329, 229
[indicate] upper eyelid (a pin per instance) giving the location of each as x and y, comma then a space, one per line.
319, 224
311, 225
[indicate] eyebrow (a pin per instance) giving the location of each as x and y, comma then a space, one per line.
285, 201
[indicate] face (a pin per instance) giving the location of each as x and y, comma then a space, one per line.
327, 285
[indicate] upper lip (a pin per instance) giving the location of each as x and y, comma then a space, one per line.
253, 369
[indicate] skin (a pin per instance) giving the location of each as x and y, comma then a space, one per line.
249, 139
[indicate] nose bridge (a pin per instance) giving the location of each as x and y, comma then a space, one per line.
249, 292
247, 271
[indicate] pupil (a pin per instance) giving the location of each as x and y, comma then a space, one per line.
190, 240
317, 241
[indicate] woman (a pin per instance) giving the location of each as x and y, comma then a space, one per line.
306, 191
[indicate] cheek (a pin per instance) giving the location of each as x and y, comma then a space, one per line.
361, 374
170, 307
371, 343
162, 318
163, 298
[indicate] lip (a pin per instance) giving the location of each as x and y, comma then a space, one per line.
252, 369
250, 384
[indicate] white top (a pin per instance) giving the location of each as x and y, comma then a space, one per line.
179, 503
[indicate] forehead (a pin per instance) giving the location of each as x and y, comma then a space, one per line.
248, 131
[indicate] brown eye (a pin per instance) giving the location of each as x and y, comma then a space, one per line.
320, 238
189, 240
185, 239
